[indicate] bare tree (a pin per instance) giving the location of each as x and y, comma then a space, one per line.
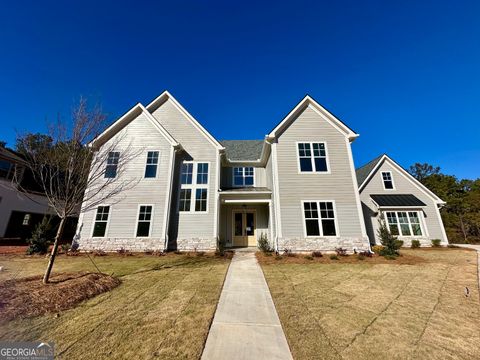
70, 168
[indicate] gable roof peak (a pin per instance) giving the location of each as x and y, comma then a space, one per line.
321, 110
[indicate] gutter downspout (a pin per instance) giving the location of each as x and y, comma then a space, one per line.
173, 155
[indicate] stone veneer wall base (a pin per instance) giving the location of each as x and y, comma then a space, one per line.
114, 244
324, 244
197, 244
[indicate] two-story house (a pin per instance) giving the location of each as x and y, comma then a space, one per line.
297, 187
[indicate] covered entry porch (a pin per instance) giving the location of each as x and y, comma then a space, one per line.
244, 217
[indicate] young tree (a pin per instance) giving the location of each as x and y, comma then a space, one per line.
71, 172
388, 240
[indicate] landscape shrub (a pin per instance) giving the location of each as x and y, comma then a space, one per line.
361, 257
39, 243
399, 243
389, 241
278, 257
317, 254
289, 253
377, 249
308, 257
366, 254
263, 244
415, 244
334, 257
436, 242
341, 251
65, 248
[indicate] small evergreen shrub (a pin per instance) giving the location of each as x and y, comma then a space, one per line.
361, 257
341, 251
398, 244
263, 244
39, 243
317, 254
308, 257
436, 242
415, 244
334, 257
389, 242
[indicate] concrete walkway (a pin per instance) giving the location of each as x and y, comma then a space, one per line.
246, 324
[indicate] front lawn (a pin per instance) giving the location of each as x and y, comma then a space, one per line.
379, 310
163, 307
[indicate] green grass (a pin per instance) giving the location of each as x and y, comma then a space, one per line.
162, 309
380, 311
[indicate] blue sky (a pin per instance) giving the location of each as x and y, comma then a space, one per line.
405, 75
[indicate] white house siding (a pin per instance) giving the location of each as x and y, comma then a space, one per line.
403, 185
13, 200
141, 135
338, 186
196, 229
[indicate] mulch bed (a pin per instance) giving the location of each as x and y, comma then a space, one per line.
298, 258
27, 297
13, 249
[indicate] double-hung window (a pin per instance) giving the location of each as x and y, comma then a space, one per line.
112, 164
312, 157
319, 218
194, 187
101, 221
387, 180
404, 223
243, 176
7, 169
152, 164
144, 220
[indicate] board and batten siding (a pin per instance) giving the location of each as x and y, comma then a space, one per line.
141, 136
195, 229
338, 185
402, 185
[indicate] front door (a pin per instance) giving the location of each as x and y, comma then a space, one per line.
244, 228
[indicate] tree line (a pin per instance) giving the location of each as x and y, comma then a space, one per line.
461, 214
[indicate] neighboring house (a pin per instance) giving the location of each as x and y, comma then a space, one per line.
297, 187
409, 209
19, 211
23, 207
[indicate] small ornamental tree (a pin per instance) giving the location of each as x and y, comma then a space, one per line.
69, 171
389, 241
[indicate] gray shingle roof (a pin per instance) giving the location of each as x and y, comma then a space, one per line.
397, 200
365, 170
247, 150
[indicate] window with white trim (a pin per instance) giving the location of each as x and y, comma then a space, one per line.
194, 183
152, 164
404, 223
387, 180
26, 219
319, 218
7, 169
112, 164
144, 220
243, 176
312, 157
101, 220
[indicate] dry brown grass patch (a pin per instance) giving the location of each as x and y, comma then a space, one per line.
28, 296
403, 259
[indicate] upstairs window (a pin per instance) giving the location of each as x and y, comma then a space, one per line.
144, 220
152, 163
404, 223
387, 180
319, 218
187, 173
312, 157
202, 173
112, 164
7, 169
243, 176
194, 187
26, 219
101, 220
